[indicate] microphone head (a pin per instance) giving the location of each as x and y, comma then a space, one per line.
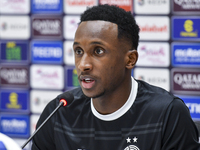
66, 98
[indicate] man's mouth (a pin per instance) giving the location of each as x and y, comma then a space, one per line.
87, 82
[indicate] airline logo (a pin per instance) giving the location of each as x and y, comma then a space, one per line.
40, 98
78, 6
47, 6
153, 54
125, 4
185, 7
153, 28
14, 27
47, 27
14, 100
157, 77
69, 53
152, 6
47, 77
186, 28
12, 51
185, 81
15, 125
193, 103
47, 52
15, 6
186, 54
71, 78
70, 26
14, 76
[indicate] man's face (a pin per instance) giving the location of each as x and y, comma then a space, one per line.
100, 58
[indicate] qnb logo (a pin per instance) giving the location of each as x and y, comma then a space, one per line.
188, 26
13, 125
188, 81
131, 147
189, 52
194, 107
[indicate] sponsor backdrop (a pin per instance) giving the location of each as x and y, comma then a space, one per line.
37, 60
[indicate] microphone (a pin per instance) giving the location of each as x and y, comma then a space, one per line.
65, 99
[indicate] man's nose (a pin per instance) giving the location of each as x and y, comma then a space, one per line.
85, 63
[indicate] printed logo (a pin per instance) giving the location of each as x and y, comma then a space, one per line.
186, 28
39, 99
15, 76
69, 53
13, 100
186, 54
14, 27
14, 51
153, 28
47, 52
72, 78
70, 26
78, 6
193, 103
15, 6
132, 147
125, 4
15, 125
157, 77
47, 27
153, 54
182, 6
152, 6
186, 81
47, 77
47, 6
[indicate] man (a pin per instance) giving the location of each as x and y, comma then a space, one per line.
111, 110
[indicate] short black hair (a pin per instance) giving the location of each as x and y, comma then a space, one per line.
127, 27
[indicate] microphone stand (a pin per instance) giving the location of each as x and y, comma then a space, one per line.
60, 104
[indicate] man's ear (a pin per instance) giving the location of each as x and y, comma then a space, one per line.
132, 56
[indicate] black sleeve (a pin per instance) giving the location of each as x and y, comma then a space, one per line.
179, 131
44, 139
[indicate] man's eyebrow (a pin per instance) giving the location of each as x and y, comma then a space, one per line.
75, 43
100, 43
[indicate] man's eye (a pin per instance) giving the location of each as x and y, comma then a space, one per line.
99, 51
79, 51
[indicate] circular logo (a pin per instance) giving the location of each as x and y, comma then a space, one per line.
131, 147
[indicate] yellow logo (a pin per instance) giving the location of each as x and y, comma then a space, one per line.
188, 26
13, 98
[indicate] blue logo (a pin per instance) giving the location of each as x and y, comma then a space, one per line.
15, 125
47, 52
193, 103
14, 101
12, 51
186, 54
49, 6
71, 78
187, 28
